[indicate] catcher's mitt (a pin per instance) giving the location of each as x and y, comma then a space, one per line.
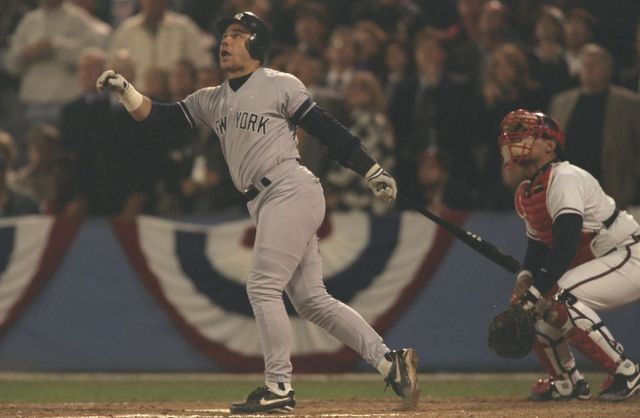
512, 332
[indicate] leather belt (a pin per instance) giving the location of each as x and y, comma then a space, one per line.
611, 219
252, 191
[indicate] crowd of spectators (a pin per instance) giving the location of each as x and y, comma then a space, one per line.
423, 83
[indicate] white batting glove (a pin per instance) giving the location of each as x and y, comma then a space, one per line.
116, 83
111, 81
530, 298
381, 183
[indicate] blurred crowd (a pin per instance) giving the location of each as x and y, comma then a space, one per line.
423, 83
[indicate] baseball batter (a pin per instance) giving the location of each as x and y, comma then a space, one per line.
582, 256
255, 113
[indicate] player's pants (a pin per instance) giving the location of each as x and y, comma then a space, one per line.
604, 283
286, 257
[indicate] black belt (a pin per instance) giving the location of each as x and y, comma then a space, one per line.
611, 219
252, 191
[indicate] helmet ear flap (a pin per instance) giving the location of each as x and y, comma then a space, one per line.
256, 51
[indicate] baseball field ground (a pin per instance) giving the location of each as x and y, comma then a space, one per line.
352, 395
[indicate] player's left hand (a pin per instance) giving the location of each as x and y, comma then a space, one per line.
530, 298
381, 183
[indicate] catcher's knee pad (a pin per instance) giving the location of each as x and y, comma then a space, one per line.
589, 335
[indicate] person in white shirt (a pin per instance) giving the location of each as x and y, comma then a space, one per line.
158, 37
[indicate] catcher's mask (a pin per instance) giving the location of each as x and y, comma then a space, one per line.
258, 42
520, 128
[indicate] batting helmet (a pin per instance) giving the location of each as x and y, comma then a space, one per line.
520, 128
258, 42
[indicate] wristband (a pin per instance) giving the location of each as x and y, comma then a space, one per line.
373, 171
130, 98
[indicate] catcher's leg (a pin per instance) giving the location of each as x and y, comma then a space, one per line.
553, 352
587, 333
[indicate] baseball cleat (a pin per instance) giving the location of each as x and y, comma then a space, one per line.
621, 386
403, 377
264, 400
550, 389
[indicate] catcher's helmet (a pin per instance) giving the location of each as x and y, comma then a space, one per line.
520, 128
258, 43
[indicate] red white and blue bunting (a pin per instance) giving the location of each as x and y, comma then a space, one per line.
377, 265
31, 248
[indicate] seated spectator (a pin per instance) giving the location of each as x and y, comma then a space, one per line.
38, 178
115, 160
630, 76
579, 30
495, 30
370, 40
550, 67
509, 86
398, 65
464, 37
43, 52
311, 27
602, 127
432, 109
159, 37
341, 56
344, 189
12, 202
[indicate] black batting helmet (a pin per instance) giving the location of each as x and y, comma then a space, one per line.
258, 43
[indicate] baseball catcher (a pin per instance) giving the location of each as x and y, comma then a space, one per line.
582, 256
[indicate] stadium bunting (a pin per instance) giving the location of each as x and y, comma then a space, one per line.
197, 273
31, 248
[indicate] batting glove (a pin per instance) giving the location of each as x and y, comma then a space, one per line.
116, 83
112, 81
523, 282
530, 298
381, 183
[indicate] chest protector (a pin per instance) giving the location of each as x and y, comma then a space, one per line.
531, 205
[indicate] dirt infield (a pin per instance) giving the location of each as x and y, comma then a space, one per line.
450, 407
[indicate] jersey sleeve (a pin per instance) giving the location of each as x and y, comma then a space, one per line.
296, 100
566, 194
198, 105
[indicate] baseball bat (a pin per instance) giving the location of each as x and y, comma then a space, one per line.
472, 240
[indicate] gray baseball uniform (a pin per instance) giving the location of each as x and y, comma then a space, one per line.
256, 125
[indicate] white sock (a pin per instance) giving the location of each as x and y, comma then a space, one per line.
279, 388
384, 366
627, 368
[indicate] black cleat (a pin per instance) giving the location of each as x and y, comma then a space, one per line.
403, 377
550, 389
264, 400
621, 387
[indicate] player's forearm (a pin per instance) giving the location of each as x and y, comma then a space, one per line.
142, 111
342, 145
137, 104
567, 231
